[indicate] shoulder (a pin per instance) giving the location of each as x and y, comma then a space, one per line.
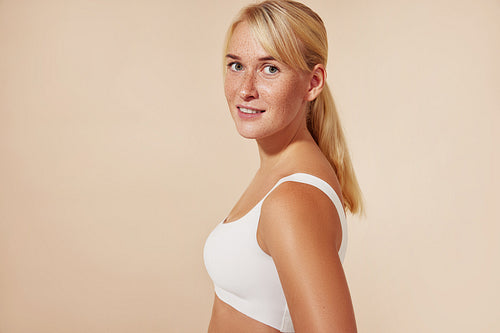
301, 231
298, 213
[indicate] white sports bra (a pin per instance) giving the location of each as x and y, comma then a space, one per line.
244, 276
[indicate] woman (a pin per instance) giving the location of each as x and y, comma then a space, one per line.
276, 260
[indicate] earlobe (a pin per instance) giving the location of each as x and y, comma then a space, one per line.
317, 82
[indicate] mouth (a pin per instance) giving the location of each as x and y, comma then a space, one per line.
249, 111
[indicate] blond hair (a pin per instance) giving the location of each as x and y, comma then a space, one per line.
294, 34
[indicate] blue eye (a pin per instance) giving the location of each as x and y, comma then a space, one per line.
235, 66
270, 69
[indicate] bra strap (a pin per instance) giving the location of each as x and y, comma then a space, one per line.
329, 191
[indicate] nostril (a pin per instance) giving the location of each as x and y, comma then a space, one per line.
248, 89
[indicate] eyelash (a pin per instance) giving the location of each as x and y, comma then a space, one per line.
232, 64
272, 66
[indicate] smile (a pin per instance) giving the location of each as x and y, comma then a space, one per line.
249, 111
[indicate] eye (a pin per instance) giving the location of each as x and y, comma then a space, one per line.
270, 69
235, 66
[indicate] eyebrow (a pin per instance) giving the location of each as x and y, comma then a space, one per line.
232, 56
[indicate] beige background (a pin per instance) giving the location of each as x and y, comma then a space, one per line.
118, 157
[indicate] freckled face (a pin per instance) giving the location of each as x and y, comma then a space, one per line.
265, 97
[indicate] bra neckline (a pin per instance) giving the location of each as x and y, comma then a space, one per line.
254, 206
278, 182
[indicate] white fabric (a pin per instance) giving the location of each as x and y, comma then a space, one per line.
244, 276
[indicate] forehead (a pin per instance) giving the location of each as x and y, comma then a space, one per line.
244, 43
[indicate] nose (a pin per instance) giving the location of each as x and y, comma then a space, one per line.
248, 87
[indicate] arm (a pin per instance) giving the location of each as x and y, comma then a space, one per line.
300, 229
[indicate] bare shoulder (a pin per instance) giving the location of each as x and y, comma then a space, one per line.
300, 229
298, 213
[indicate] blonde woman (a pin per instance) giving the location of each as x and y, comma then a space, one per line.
276, 259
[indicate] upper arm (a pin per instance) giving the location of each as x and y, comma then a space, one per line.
300, 229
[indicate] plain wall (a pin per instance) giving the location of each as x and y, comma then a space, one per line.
118, 157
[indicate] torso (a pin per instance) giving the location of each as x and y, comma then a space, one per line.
224, 317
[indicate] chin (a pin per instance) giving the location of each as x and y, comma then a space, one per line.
257, 130
253, 133
248, 134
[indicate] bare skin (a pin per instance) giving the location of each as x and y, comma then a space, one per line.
299, 225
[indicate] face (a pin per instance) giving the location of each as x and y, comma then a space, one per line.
265, 97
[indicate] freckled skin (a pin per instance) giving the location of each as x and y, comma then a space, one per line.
305, 253
283, 95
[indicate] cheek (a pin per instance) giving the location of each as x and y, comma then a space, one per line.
287, 93
228, 87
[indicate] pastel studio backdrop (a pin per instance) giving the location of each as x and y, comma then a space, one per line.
118, 157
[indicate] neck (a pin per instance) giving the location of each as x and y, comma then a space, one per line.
275, 150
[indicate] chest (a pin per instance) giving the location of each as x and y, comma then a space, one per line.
255, 192
234, 259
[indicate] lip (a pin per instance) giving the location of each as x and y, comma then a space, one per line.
248, 107
249, 115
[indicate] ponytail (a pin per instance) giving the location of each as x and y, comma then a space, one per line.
324, 125
294, 34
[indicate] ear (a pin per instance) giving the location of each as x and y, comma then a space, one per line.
317, 82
